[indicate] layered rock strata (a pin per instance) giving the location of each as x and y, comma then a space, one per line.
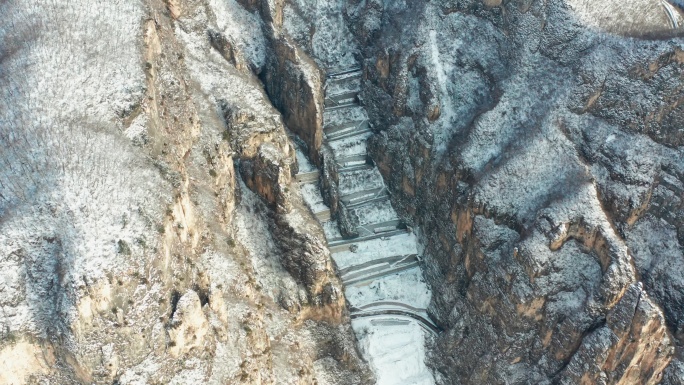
152, 228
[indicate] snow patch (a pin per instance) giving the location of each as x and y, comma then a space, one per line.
395, 349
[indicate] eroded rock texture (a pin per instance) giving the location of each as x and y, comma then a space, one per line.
539, 154
149, 233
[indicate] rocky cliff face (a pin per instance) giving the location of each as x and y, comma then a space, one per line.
543, 169
151, 230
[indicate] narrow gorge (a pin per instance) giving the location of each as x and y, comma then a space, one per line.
377, 258
387, 192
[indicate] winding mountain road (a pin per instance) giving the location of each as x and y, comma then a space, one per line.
380, 268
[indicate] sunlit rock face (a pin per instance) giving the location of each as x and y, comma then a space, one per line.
635, 18
150, 229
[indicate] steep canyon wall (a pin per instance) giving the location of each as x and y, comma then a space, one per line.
539, 154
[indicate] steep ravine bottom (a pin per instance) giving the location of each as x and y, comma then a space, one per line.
379, 262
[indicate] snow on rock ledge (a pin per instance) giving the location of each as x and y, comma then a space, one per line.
188, 325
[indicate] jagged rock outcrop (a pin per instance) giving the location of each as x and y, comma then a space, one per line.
188, 325
528, 145
329, 181
269, 175
294, 84
291, 78
149, 232
627, 349
152, 229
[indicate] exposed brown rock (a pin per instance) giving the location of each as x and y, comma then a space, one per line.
294, 84
530, 268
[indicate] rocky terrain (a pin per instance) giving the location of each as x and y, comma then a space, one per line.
151, 231
537, 146
376, 255
190, 195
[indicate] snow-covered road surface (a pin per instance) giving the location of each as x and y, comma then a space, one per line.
380, 268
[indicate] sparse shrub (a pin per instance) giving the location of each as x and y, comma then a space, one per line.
69, 72
141, 242
123, 247
9, 337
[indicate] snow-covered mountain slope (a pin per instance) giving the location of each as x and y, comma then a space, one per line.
494, 194
131, 251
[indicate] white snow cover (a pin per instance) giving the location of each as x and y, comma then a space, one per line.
331, 230
380, 275
403, 244
312, 196
252, 229
395, 350
341, 86
216, 79
360, 180
442, 68
375, 212
618, 16
353, 145
343, 115
242, 28
304, 164
332, 44
407, 287
66, 206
